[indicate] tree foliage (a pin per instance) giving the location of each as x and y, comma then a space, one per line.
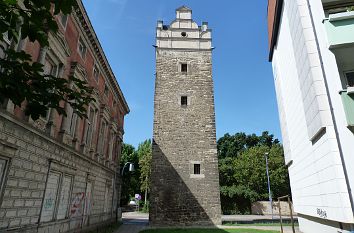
145, 157
242, 170
139, 180
21, 78
130, 180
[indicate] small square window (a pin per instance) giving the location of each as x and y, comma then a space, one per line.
184, 100
350, 78
196, 169
184, 67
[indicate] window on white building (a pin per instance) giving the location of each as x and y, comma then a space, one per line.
350, 78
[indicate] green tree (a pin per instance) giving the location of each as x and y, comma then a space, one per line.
130, 180
21, 79
145, 157
232, 145
242, 170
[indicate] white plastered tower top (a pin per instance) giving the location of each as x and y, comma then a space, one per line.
183, 33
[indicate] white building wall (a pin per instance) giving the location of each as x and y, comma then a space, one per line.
316, 175
334, 83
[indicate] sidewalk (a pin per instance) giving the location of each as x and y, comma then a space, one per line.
133, 222
249, 219
286, 229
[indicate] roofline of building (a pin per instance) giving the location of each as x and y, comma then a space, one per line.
97, 48
276, 24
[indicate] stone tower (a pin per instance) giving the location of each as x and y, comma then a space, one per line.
185, 178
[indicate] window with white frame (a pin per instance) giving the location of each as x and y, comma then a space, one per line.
82, 48
50, 68
6, 37
90, 125
96, 73
111, 145
63, 20
105, 141
73, 121
106, 198
106, 90
102, 136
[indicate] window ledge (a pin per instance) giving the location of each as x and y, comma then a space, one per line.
197, 176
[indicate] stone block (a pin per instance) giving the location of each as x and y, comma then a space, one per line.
29, 203
4, 223
19, 173
16, 193
14, 222
2, 213
36, 194
11, 182
19, 203
34, 219
11, 213
23, 183
22, 212
6, 203
25, 221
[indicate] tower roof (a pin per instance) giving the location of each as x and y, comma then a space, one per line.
183, 8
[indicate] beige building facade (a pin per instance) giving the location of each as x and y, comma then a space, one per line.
61, 174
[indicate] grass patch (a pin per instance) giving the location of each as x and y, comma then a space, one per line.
107, 229
260, 224
207, 231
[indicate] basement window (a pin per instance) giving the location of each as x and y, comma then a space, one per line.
184, 67
184, 101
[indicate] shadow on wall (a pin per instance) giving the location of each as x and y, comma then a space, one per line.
172, 202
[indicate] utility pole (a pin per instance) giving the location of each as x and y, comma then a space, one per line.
270, 195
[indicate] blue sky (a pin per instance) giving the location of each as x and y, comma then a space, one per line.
244, 89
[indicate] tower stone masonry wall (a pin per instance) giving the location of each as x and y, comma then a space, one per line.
184, 136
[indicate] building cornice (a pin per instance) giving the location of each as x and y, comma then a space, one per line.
96, 47
275, 27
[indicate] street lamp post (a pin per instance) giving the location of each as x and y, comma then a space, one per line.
131, 169
270, 195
